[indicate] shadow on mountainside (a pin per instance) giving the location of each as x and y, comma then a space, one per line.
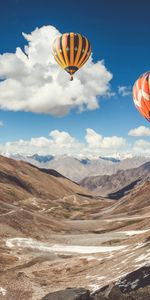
120, 193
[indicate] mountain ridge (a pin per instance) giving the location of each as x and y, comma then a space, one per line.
82, 168
120, 182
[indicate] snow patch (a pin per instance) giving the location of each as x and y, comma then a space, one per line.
131, 284
101, 277
133, 232
88, 258
134, 284
140, 245
143, 257
94, 287
32, 244
2, 291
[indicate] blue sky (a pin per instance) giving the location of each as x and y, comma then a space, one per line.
118, 32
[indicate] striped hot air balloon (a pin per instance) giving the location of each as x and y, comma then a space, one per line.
141, 95
71, 51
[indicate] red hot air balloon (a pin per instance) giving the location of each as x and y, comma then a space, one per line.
141, 95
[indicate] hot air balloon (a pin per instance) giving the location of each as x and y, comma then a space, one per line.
71, 51
141, 95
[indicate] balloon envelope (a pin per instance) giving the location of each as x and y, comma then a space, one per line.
141, 95
71, 51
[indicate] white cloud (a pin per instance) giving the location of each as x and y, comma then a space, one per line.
62, 137
141, 144
62, 143
58, 143
142, 147
124, 90
140, 131
32, 81
96, 140
93, 139
1, 124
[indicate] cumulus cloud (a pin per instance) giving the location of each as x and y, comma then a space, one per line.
96, 140
1, 124
58, 143
32, 81
124, 90
62, 143
142, 146
140, 131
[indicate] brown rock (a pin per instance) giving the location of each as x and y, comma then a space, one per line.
110, 292
69, 294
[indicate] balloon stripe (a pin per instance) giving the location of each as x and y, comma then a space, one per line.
145, 89
147, 104
86, 58
84, 61
149, 83
71, 49
58, 61
64, 47
59, 53
144, 108
83, 48
143, 105
55, 53
145, 86
76, 42
146, 96
134, 93
79, 49
84, 54
62, 54
68, 47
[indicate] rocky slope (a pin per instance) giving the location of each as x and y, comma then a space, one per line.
54, 235
32, 197
112, 291
117, 185
134, 286
19, 180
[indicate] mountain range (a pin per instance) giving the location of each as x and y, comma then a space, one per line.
77, 169
117, 185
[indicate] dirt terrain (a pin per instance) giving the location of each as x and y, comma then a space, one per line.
55, 235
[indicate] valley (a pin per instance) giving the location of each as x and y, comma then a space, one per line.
55, 234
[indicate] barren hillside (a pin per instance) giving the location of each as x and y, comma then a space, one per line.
55, 235
117, 185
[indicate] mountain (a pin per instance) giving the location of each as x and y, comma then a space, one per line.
55, 234
28, 193
117, 185
137, 200
112, 159
41, 158
26, 180
77, 169
133, 286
